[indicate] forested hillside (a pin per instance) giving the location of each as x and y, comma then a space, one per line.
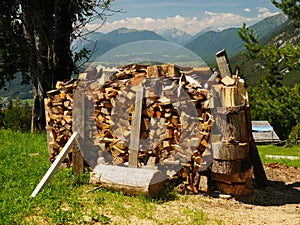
252, 70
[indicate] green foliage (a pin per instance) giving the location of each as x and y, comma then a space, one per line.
279, 105
12, 45
294, 136
277, 61
291, 8
270, 100
17, 116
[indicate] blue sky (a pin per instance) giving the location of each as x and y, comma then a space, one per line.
191, 16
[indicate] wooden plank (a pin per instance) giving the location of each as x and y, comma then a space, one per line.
135, 129
259, 172
59, 159
78, 125
223, 64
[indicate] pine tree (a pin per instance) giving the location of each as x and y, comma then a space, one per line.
277, 61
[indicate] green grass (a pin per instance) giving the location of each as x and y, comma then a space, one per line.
69, 198
278, 150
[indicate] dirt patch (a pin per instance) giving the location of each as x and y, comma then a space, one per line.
279, 203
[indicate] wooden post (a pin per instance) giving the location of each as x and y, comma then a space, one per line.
135, 129
258, 169
79, 126
223, 64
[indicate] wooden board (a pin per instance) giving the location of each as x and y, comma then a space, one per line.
51, 171
259, 172
223, 64
135, 129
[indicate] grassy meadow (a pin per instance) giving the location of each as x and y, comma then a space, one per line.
70, 199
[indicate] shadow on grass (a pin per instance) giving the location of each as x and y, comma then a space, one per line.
275, 194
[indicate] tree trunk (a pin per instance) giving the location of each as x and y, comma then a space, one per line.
62, 56
47, 30
37, 18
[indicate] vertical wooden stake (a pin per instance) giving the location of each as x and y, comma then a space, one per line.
258, 169
77, 160
78, 125
135, 129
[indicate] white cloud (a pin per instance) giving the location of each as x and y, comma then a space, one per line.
193, 25
262, 9
247, 10
264, 12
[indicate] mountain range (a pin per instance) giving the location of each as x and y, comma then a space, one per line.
273, 29
205, 44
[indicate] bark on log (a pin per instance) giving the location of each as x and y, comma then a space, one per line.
131, 180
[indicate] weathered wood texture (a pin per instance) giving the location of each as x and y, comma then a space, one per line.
231, 168
131, 180
259, 172
223, 64
134, 144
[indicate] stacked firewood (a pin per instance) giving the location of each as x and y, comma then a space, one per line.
58, 110
176, 121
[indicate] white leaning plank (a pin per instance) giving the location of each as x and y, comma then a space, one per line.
51, 171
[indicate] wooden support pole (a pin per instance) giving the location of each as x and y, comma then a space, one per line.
77, 160
79, 119
135, 129
51, 171
258, 169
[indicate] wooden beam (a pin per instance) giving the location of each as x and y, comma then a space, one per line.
258, 168
59, 159
135, 129
223, 64
79, 125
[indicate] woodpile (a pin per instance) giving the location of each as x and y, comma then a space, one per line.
58, 110
173, 138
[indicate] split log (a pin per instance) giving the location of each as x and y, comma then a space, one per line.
133, 181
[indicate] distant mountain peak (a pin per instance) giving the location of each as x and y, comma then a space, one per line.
175, 35
207, 44
125, 30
